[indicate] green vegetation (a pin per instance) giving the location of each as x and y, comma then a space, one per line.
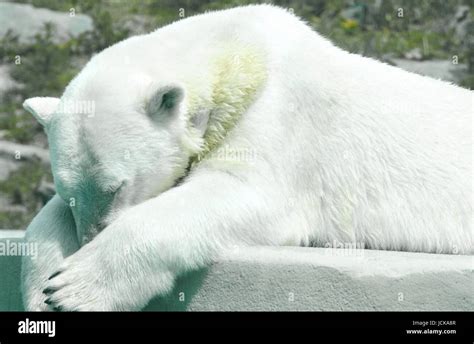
22, 187
372, 28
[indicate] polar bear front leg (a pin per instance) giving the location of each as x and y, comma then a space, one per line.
52, 231
140, 254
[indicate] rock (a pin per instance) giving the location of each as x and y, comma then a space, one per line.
18, 152
7, 166
46, 191
14, 208
438, 69
460, 21
137, 24
414, 54
26, 20
462, 13
6, 82
388, 58
299, 279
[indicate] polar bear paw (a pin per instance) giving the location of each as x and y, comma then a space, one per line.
82, 283
35, 302
78, 285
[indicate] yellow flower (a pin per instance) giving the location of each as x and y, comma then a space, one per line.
349, 24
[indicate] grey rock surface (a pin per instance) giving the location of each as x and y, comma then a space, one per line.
18, 152
438, 69
298, 279
26, 20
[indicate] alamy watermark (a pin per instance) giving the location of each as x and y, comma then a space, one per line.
338, 248
77, 107
11, 248
28, 326
226, 153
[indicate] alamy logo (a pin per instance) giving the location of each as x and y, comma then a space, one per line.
16, 248
37, 327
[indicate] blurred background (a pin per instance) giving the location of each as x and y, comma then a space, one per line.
44, 43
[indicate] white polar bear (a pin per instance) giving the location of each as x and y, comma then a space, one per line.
240, 127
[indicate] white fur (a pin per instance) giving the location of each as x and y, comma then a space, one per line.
338, 147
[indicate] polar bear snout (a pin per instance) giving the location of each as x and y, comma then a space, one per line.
91, 207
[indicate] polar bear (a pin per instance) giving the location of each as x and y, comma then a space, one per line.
234, 128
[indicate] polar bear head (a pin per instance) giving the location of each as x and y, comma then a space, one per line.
122, 134
110, 151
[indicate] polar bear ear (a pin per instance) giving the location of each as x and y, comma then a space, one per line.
41, 108
165, 102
